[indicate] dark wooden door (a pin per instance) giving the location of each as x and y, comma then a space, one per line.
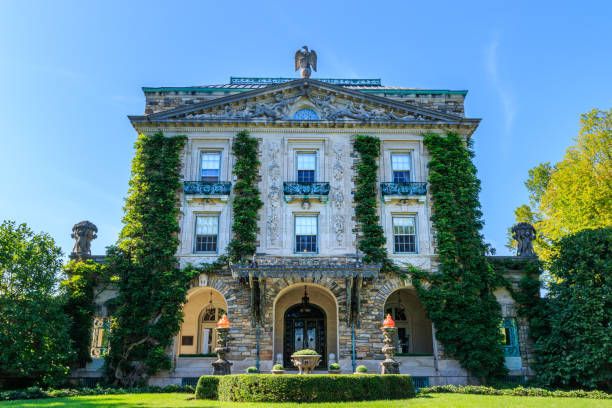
304, 329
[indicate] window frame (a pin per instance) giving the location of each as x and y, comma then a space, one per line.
205, 151
410, 163
315, 153
416, 233
295, 217
195, 233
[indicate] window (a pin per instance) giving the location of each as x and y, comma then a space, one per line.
404, 234
306, 234
211, 166
400, 165
207, 230
509, 333
208, 328
306, 167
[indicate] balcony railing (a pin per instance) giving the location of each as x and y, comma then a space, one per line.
303, 188
404, 188
220, 188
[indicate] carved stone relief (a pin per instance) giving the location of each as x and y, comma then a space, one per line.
337, 198
274, 194
278, 106
339, 228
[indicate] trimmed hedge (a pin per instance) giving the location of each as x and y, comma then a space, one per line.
207, 387
37, 393
518, 391
313, 387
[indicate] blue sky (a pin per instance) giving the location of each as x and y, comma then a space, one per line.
70, 72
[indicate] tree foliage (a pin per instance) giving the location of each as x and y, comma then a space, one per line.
151, 286
459, 297
573, 330
34, 338
575, 193
85, 279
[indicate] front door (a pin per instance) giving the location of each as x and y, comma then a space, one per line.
304, 329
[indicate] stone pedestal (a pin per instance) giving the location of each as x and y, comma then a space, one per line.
389, 365
221, 366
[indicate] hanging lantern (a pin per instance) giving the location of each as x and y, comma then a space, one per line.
223, 322
388, 322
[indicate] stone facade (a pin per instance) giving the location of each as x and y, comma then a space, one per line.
320, 118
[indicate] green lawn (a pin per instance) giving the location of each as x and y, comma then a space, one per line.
425, 401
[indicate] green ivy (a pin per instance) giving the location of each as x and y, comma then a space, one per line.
78, 304
246, 198
459, 297
151, 286
372, 242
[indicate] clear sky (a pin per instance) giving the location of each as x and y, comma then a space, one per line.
70, 73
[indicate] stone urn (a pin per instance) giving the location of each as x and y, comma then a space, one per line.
305, 363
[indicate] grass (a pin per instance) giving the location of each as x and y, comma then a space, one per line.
424, 401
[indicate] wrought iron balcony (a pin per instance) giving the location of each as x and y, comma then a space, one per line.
305, 190
219, 188
403, 189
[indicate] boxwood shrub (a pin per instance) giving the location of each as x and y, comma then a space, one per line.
207, 387
314, 387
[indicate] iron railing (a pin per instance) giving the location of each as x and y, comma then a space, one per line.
305, 188
208, 188
404, 188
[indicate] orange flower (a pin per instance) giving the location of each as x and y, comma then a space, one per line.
388, 322
223, 322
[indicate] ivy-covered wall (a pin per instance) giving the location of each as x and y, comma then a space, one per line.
151, 286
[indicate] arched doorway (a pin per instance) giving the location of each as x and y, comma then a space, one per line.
305, 329
204, 307
413, 334
299, 324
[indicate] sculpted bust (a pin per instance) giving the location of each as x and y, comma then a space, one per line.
83, 232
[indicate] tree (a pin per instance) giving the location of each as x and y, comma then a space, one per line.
576, 350
34, 339
576, 193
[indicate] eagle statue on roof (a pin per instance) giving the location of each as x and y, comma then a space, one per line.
305, 59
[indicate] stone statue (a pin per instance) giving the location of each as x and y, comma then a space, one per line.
305, 59
84, 232
524, 234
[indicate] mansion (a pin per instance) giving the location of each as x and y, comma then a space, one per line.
307, 286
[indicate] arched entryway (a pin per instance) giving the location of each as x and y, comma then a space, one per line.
204, 307
305, 316
305, 328
414, 334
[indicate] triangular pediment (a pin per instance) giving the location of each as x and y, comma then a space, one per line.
303, 100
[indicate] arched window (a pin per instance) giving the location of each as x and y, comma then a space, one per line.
306, 114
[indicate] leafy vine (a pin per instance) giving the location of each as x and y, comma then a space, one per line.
459, 297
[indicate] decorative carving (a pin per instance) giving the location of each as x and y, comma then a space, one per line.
83, 232
208, 188
305, 188
304, 60
305, 204
404, 188
524, 233
337, 197
273, 228
339, 228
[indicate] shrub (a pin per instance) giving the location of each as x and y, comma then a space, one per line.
36, 392
334, 366
518, 391
306, 352
207, 387
252, 370
361, 369
314, 387
278, 367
